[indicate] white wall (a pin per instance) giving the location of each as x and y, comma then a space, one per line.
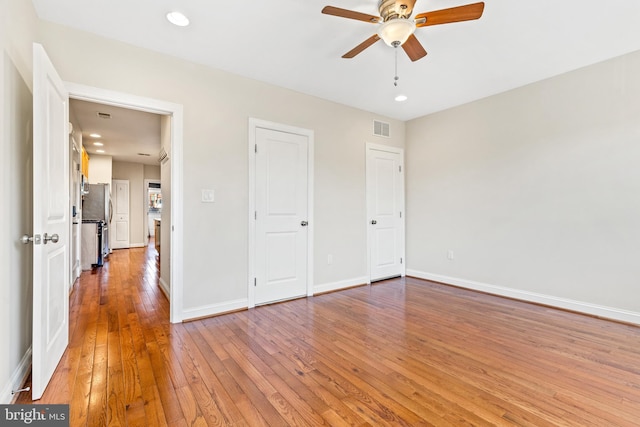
217, 107
17, 30
535, 190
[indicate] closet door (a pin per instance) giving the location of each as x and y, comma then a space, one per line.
119, 229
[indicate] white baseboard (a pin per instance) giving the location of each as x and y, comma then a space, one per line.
137, 245
550, 300
342, 284
213, 309
164, 287
17, 379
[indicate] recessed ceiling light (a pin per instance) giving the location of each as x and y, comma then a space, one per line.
95, 135
401, 98
99, 144
99, 151
177, 18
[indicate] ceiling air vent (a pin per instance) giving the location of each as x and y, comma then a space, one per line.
380, 128
104, 115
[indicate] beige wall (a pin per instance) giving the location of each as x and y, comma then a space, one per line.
535, 190
217, 107
151, 172
134, 173
17, 31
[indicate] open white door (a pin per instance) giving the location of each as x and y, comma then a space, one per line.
385, 206
50, 220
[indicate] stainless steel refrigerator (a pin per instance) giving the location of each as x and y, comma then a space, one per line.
96, 209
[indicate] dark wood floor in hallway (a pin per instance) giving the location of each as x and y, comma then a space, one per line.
401, 352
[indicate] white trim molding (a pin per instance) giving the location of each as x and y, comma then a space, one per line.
17, 379
214, 309
341, 284
164, 287
549, 300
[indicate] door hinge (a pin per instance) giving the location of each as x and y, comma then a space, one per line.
400, 260
400, 169
255, 215
400, 214
255, 281
255, 147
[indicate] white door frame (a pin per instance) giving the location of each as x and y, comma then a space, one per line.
253, 125
175, 111
400, 151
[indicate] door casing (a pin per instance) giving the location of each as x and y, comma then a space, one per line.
253, 125
175, 112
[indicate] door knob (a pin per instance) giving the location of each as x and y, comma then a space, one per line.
374, 222
28, 239
53, 238
304, 223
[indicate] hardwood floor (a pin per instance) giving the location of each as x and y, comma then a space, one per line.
400, 352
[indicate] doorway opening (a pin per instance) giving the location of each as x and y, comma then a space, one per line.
171, 180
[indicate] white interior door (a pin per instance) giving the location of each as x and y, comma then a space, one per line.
385, 206
281, 176
120, 220
50, 220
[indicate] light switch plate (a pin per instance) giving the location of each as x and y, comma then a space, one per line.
207, 196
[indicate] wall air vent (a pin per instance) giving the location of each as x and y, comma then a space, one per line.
104, 115
163, 156
380, 128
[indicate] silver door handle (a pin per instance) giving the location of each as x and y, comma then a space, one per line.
374, 222
304, 223
53, 238
28, 239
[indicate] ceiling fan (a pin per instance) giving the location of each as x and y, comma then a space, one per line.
396, 29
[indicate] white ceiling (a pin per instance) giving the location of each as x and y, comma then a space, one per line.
289, 43
128, 136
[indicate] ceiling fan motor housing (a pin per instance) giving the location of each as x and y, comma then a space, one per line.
394, 9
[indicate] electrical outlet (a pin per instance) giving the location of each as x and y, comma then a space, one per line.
329, 259
450, 254
207, 196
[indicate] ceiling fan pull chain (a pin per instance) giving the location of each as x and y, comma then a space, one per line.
396, 78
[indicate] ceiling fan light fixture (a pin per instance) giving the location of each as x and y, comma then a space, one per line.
400, 98
177, 18
395, 32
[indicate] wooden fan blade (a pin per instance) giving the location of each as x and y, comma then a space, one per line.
362, 46
453, 14
414, 48
351, 14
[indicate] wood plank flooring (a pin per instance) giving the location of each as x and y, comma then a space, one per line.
403, 352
